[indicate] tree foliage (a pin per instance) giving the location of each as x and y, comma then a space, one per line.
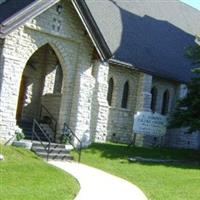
187, 111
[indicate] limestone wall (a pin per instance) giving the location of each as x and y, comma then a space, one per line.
120, 76
50, 69
1, 60
144, 92
99, 109
67, 36
120, 125
163, 85
80, 120
82, 101
120, 120
52, 103
180, 138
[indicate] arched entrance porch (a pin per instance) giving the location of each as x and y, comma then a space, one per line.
41, 88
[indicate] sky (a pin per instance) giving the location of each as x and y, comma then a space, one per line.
193, 3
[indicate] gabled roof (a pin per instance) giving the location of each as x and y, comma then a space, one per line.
152, 36
11, 7
13, 13
149, 35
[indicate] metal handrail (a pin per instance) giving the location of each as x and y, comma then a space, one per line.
34, 132
66, 128
54, 128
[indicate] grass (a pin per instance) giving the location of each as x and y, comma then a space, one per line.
25, 176
180, 181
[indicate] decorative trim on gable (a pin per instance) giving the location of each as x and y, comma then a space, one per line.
92, 29
24, 15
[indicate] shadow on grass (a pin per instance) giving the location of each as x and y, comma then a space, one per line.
189, 159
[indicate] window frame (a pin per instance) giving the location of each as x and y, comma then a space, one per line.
154, 96
165, 102
110, 91
125, 95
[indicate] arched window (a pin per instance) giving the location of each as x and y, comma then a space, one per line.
154, 93
165, 103
125, 95
110, 91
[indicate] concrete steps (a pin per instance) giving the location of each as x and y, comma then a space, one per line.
55, 156
57, 151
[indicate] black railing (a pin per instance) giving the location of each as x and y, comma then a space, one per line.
71, 137
35, 128
49, 119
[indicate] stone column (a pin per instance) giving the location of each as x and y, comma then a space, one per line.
100, 108
143, 104
11, 71
80, 120
144, 93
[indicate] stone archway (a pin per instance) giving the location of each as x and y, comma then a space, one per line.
41, 83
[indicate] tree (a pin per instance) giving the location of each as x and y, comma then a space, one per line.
187, 111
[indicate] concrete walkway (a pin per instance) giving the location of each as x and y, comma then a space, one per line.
99, 185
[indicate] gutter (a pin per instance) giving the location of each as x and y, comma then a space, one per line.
122, 64
132, 67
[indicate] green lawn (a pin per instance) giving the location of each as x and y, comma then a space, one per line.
24, 176
158, 181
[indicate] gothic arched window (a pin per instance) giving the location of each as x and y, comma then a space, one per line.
154, 93
165, 103
110, 91
125, 95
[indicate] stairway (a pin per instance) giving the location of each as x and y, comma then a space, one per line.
57, 151
26, 126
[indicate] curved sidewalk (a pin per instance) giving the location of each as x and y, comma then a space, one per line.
99, 185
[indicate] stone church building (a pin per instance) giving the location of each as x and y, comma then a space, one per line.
94, 64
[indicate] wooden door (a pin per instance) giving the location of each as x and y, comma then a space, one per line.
21, 98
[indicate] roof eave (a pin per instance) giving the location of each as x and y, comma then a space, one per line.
92, 29
122, 64
83, 11
24, 15
139, 69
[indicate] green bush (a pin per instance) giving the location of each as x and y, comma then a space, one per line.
19, 134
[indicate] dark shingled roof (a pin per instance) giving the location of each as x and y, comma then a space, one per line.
151, 35
14, 13
11, 7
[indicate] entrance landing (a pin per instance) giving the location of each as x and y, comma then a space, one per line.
99, 185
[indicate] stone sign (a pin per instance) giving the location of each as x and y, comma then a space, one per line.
149, 123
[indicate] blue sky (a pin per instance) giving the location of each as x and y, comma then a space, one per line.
193, 3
